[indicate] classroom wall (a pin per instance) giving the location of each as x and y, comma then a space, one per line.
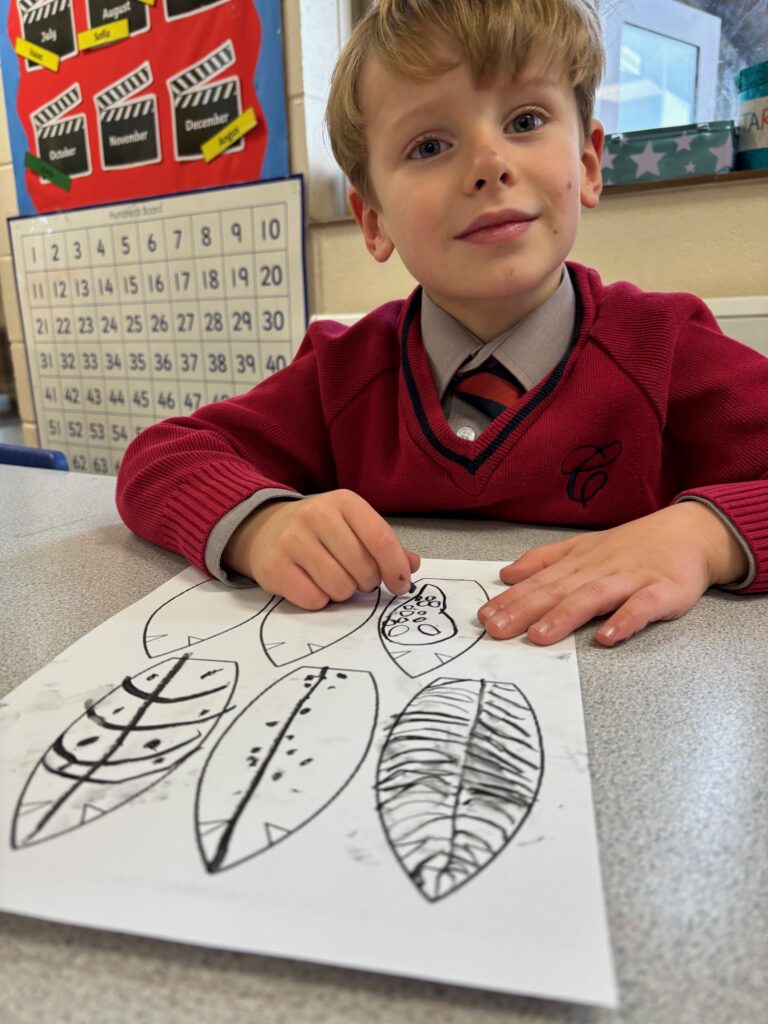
712, 240
708, 239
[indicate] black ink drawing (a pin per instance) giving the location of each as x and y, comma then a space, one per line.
458, 774
288, 754
124, 743
289, 633
420, 631
225, 608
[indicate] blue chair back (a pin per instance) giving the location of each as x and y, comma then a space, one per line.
38, 458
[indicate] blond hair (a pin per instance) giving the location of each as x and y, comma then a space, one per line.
490, 36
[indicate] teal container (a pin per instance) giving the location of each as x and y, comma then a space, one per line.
752, 137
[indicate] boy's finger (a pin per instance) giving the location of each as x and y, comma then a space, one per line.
553, 583
550, 613
384, 546
652, 603
328, 574
535, 560
300, 589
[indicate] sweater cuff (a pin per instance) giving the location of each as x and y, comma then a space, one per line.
202, 501
744, 509
226, 526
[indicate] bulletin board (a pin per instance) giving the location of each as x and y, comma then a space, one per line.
134, 312
110, 100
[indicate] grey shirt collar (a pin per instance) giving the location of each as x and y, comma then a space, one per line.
529, 349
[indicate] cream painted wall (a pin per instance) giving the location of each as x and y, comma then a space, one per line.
708, 239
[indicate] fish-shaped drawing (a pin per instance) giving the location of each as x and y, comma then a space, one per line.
426, 629
289, 633
213, 606
124, 743
288, 754
458, 774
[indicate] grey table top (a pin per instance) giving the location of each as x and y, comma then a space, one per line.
677, 725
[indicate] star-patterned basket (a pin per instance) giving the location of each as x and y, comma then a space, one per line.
663, 153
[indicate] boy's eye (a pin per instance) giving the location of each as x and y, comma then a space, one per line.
527, 122
426, 148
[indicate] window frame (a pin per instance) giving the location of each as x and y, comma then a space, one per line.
676, 21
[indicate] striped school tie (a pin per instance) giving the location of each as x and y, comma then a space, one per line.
491, 388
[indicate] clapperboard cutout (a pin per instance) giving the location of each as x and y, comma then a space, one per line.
104, 12
129, 135
184, 8
49, 24
202, 109
63, 140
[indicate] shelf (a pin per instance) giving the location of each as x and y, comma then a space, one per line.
727, 178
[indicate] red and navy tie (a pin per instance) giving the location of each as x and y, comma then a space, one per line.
491, 388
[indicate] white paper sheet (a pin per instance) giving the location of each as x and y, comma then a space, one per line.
378, 785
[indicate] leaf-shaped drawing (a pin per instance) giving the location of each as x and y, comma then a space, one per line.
426, 629
457, 776
289, 753
213, 606
289, 633
123, 744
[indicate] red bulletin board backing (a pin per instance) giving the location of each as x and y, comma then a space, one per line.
126, 120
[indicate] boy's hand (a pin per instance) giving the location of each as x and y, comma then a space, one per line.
653, 568
320, 549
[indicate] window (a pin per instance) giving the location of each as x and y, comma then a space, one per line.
672, 62
662, 63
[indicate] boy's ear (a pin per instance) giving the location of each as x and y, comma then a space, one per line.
591, 160
377, 241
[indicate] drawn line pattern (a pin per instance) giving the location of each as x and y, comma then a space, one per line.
138, 735
458, 775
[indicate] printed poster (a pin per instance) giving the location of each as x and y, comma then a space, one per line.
128, 119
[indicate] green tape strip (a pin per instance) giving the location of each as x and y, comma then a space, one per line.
45, 170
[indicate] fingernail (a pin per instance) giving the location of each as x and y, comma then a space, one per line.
542, 627
500, 620
607, 632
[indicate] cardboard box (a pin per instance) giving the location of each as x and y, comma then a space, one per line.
661, 154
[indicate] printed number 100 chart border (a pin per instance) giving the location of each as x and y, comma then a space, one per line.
137, 311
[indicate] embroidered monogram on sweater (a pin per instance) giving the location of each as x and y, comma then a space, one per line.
585, 468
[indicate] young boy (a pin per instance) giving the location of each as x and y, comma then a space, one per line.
509, 385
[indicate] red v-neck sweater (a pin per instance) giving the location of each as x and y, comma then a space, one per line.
651, 402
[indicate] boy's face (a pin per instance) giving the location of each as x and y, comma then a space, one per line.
478, 189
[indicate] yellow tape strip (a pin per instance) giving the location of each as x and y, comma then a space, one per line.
37, 54
229, 135
111, 33
149, 3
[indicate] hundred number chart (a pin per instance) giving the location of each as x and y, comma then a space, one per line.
138, 311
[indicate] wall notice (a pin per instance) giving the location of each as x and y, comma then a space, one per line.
121, 98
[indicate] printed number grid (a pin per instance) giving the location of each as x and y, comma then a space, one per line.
129, 322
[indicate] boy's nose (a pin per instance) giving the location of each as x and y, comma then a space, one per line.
489, 171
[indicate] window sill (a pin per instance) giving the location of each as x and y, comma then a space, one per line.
729, 177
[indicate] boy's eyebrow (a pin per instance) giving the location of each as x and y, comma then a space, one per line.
413, 113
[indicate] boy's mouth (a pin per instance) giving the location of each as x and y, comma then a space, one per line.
500, 226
